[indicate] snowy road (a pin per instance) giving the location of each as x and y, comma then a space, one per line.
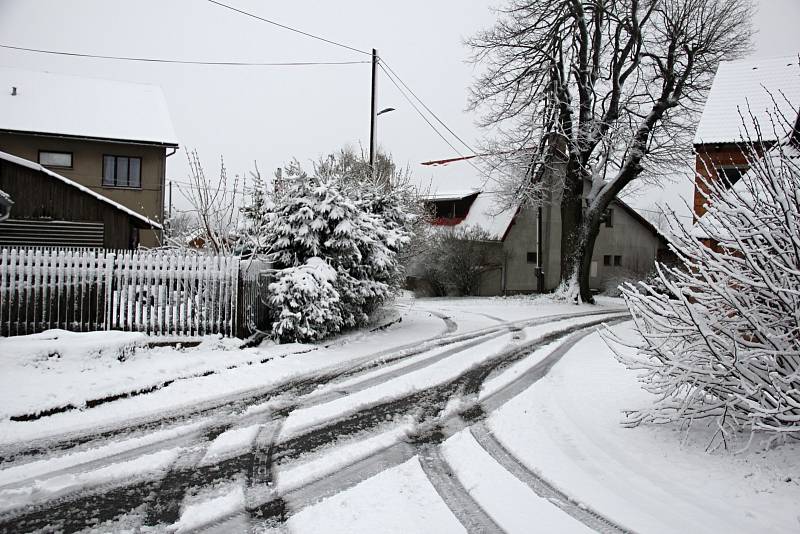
408, 417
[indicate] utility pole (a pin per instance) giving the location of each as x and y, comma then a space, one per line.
373, 115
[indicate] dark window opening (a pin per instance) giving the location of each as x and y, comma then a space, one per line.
608, 217
617, 261
532, 257
61, 160
122, 171
731, 174
606, 260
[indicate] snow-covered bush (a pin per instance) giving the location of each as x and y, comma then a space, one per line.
723, 341
457, 259
354, 226
305, 302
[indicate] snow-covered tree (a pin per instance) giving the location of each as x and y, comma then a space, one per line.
305, 302
355, 227
721, 334
599, 94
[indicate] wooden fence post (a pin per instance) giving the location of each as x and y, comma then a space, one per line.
109, 289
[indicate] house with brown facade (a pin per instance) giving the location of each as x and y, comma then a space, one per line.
111, 138
746, 95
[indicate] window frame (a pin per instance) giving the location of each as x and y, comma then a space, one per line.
535, 259
607, 259
722, 172
71, 159
115, 184
617, 260
609, 218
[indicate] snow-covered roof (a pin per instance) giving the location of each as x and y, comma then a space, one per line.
35, 166
450, 195
48, 103
749, 86
488, 214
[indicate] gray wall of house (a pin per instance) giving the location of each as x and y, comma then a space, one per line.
87, 170
520, 240
628, 238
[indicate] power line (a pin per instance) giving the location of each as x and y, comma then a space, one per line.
421, 114
429, 109
183, 61
285, 27
486, 175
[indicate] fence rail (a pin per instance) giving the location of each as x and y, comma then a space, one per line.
157, 292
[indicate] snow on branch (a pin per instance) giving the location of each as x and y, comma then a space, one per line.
720, 331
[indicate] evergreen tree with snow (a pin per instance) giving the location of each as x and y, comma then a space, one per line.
354, 228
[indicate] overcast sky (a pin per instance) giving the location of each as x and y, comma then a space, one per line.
272, 114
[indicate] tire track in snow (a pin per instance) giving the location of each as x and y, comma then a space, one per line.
430, 400
44, 446
453, 493
237, 402
432, 428
542, 487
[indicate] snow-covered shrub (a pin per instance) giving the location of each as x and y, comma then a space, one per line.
305, 302
355, 227
723, 341
612, 286
457, 260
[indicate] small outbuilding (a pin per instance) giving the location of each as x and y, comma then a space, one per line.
52, 210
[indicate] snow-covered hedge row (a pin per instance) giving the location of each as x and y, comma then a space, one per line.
723, 340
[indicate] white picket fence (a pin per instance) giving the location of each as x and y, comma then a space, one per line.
158, 292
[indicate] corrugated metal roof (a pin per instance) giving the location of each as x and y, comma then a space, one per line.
59, 104
747, 87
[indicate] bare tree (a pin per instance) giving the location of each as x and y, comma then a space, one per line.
214, 205
601, 94
719, 335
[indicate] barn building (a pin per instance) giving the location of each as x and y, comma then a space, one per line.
52, 210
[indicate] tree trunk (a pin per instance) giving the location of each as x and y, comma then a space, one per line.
588, 236
571, 222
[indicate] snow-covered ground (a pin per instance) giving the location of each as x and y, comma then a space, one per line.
650, 479
566, 428
56, 369
551, 457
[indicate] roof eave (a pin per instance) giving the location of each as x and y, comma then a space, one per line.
165, 144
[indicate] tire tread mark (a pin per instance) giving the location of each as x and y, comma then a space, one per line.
542, 487
468, 511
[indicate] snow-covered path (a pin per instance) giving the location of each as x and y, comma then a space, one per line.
424, 426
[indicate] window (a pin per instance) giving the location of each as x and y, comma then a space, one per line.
532, 257
122, 171
731, 173
62, 160
608, 216
617, 261
606, 260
